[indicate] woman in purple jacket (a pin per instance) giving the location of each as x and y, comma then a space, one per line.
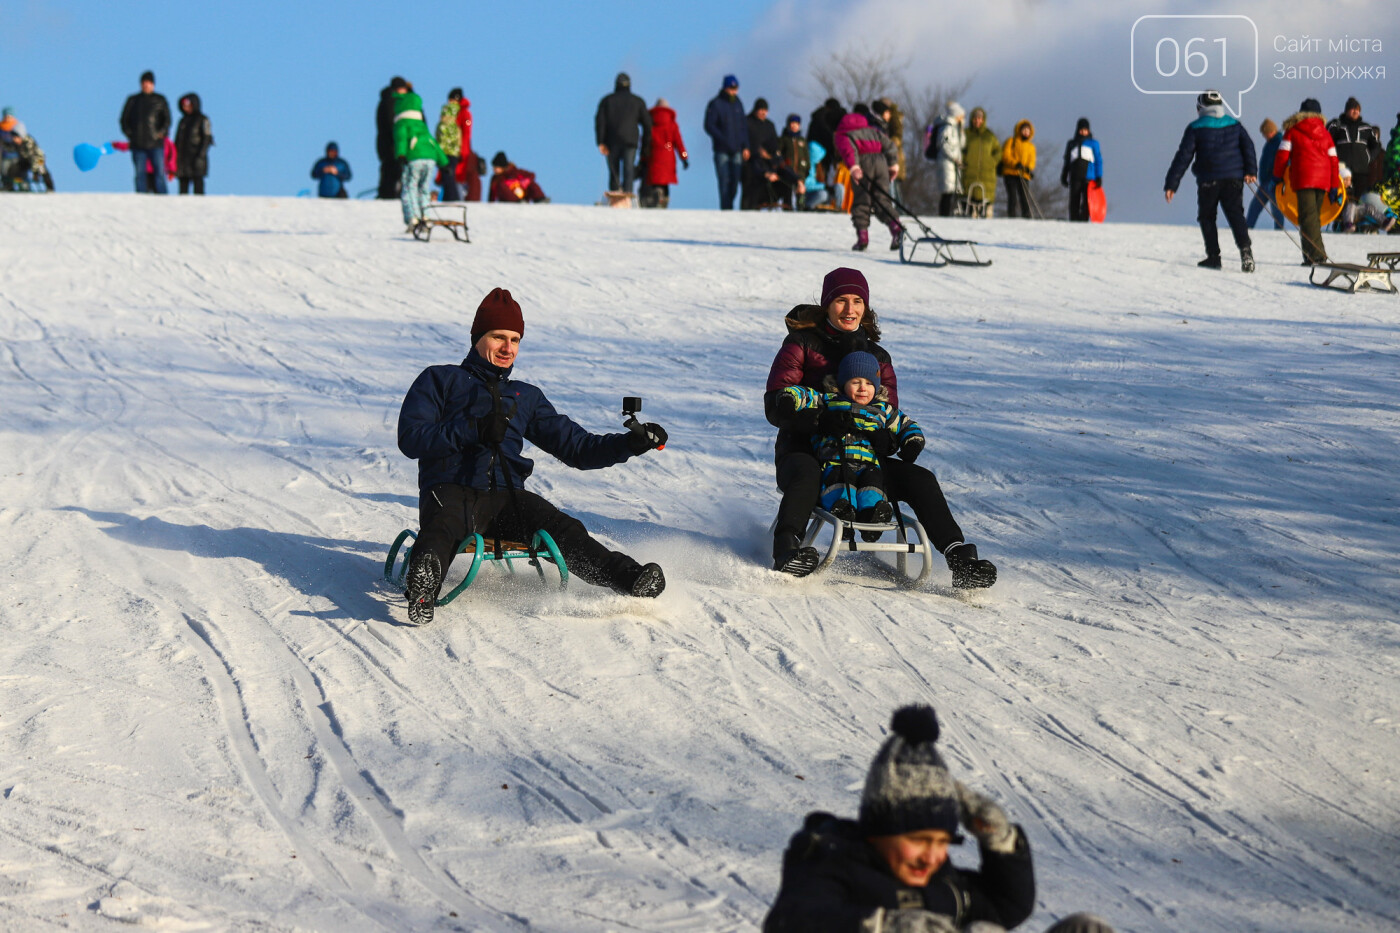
818, 337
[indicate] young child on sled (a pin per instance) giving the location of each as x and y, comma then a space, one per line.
859, 426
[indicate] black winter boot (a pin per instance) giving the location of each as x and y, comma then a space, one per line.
1246, 260
1210, 262
969, 571
843, 510
648, 583
421, 588
788, 557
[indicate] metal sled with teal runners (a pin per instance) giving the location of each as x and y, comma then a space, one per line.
542, 550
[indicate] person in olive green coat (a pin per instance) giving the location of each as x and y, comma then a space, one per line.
980, 158
417, 153
449, 140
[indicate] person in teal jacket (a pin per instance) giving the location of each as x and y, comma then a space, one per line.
418, 154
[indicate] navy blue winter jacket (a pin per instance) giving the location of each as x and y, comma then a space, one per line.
1220, 147
726, 123
437, 427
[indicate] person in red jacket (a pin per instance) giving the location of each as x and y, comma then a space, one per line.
666, 144
512, 184
467, 175
1309, 156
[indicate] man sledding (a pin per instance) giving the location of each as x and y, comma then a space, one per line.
466, 425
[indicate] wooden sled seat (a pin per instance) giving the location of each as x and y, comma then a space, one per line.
1389, 260
1352, 278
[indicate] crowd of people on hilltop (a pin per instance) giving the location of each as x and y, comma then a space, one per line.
851, 161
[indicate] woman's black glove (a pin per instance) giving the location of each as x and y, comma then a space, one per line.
882, 442
836, 422
491, 429
911, 449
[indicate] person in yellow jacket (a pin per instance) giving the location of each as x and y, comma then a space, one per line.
1018, 168
981, 156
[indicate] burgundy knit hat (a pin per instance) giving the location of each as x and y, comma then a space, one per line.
497, 311
844, 281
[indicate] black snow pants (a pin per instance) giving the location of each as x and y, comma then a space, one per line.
1017, 199
448, 514
1228, 195
800, 479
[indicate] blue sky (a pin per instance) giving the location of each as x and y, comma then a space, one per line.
278, 80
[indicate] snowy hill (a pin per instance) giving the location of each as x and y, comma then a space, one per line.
1184, 685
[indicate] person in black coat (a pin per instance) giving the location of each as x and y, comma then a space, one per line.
621, 125
389, 173
763, 150
466, 425
822, 129
1224, 161
889, 870
1358, 146
193, 137
145, 122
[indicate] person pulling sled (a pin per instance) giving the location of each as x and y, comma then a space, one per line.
466, 425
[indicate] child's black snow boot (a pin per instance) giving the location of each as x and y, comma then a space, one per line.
1246, 260
877, 514
421, 587
1210, 262
969, 571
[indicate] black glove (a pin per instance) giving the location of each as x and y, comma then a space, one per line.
911, 449
1335, 195
685, 163
786, 405
651, 437
491, 429
882, 442
836, 422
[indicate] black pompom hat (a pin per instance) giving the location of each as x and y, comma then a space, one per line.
909, 788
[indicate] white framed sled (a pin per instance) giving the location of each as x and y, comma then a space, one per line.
845, 538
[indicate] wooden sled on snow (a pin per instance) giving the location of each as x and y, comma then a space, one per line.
1389, 260
1352, 278
443, 216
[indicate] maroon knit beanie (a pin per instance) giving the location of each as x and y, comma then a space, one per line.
844, 281
497, 311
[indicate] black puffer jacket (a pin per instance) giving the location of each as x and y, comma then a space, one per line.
146, 120
193, 138
833, 880
622, 119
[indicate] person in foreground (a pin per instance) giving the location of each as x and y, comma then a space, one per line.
466, 425
888, 871
818, 338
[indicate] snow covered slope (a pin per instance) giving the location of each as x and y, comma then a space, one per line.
213, 717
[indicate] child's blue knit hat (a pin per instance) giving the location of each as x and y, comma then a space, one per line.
858, 365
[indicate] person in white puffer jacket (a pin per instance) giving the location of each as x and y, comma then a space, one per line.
944, 142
